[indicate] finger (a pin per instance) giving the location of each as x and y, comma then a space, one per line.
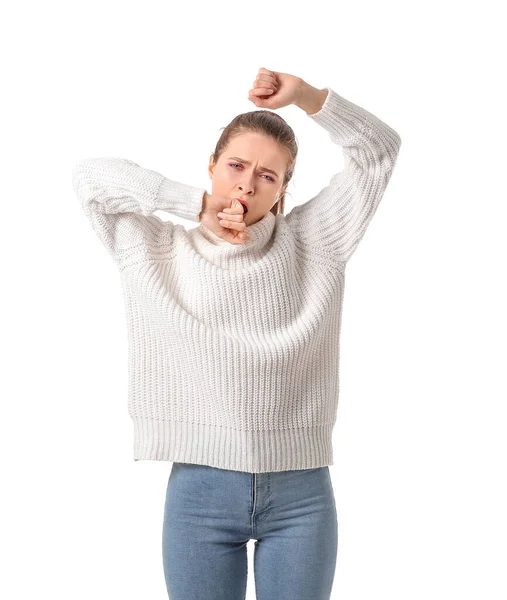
232, 217
269, 85
266, 79
233, 210
232, 225
264, 71
236, 207
261, 92
235, 238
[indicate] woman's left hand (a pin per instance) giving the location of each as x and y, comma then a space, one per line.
286, 89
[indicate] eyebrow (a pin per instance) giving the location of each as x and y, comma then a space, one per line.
247, 162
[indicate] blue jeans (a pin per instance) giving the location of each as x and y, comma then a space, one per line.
210, 514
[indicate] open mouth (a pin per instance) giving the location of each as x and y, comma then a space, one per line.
245, 207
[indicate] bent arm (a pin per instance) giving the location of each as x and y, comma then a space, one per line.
118, 197
338, 216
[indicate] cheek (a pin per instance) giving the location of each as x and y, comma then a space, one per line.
219, 182
224, 176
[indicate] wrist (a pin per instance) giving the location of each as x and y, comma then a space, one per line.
310, 98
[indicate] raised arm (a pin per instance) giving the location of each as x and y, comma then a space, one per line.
337, 217
118, 197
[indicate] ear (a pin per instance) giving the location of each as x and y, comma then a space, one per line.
211, 166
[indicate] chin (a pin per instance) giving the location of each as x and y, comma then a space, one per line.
253, 221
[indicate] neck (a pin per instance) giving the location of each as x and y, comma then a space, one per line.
221, 252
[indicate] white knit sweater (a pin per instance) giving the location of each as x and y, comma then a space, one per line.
233, 350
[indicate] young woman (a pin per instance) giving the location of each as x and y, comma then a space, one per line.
233, 332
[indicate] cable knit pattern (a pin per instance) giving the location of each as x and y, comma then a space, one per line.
233, 350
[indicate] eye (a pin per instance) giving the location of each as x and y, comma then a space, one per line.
238, 165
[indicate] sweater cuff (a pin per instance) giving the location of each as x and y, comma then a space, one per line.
341, 117
185, 201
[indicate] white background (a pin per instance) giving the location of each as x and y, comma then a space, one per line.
420, 444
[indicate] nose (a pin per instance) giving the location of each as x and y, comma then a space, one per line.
246, 188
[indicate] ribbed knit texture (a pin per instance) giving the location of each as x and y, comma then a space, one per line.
233, 350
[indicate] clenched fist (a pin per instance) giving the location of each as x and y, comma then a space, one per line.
272, 89
224, 217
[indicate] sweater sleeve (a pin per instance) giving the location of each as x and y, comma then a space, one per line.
337, 217
118, 197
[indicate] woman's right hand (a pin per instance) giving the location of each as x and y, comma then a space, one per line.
231, 227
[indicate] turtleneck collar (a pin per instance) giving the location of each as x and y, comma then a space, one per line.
221, 252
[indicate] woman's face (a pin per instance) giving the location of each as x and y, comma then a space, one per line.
251, 168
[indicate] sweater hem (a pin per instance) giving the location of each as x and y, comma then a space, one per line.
237, 450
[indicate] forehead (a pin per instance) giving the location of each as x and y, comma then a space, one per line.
257, 147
